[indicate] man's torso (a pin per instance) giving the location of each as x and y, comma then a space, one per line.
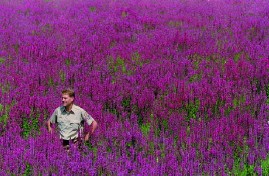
69, 123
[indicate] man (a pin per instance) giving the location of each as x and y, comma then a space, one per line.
70, 120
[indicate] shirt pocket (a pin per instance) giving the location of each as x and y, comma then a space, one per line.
60, 119
74, 123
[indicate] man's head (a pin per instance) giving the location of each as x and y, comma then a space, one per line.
68, 96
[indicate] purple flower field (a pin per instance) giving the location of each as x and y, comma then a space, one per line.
178, 87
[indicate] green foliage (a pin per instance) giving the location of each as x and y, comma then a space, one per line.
47, 28
239, 101
257, 83
68, 62
114, 111
110, 108
151, 148
129, 144
137, 60
192, 108
94, 149
50, 82
126, 102
62, 76
30, 126
5, 87
165, 124
118, 65
184, 145
26, 128
175, 23
188, 130
196, 64
157, 131
109, 149
148, 26
237, 56
252, 32
28, 170
2, 60
249, 169
124, 14
216, 108
162, 126
228, 111
89, 145
140, 118
5, 116
195, 77
152, 116
236, 167
265, 165
16, 47
175, 141
267, 93
92, 9
3, 119
162, 148
145, 128
35, 125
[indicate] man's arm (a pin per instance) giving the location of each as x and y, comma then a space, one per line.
49, 126
93, 126
91, 122
51, 120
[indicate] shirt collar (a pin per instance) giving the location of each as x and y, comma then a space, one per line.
72, 109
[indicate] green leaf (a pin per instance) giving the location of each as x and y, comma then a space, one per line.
2, 60
68, 62
165, 124
145, 128
92, 9
62, 76
192, 109
119, 61
265, 166
28, 170
126, 102
4, 118
124, 14
50, 82
237, 56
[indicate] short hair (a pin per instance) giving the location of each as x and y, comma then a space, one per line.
69, 92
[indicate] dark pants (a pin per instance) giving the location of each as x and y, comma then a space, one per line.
66, 143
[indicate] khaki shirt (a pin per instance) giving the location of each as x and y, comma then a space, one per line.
70, 123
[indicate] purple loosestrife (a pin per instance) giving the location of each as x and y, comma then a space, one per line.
176, 91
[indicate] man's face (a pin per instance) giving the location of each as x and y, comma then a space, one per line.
67, 100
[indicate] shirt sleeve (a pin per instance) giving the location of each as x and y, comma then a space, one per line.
87, 117
53, 117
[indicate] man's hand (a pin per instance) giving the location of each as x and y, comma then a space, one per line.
87, 137
50, 130
49, 127
93, 126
